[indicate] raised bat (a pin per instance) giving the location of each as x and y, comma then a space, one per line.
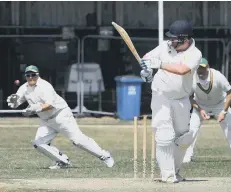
127, 40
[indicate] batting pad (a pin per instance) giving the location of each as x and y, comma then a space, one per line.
165, 158
190, 150
185, 140
51, 153
182, 143
179, 154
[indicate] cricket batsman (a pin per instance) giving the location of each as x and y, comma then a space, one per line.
212, 96
55, 117
176, 61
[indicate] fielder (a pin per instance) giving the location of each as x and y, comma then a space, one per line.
212, 96
177, 61
55, 117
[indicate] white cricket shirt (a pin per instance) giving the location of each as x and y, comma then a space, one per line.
175, 86
212, 92
42, 93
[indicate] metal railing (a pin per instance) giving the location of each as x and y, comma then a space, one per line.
98, 37
227, 61
222, 51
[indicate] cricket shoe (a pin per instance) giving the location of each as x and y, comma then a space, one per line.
180, 178
60, 165
107, 159
187, 159
170, 180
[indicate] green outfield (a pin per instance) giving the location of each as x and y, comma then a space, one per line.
25, 170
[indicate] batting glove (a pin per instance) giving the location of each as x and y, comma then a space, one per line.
12, 101
153, 63
146, 75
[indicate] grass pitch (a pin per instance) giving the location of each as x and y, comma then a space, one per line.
23, 169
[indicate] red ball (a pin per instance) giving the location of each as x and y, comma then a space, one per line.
17, 82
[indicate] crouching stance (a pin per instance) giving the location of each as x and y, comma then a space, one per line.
55, 117
212, 96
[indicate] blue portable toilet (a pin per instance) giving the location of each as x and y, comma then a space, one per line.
128, 96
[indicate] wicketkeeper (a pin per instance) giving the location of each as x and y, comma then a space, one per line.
55, 117
212, 96
176, 61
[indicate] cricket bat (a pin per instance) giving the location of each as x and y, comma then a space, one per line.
127, 40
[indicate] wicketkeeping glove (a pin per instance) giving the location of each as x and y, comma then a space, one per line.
12, 101
153, 63
32, 109
146, 75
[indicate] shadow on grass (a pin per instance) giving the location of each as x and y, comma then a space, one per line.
210, 160
71, 167
185, 181
194, 180
74, 167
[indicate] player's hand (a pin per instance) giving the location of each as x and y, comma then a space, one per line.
27, 113
12, 100
153, 63
33, 108
146, 75
221, 116
204, 115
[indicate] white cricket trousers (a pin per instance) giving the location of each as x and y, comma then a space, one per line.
170, 120
196, 121
65, 123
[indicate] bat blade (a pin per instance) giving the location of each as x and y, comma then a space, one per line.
127, 40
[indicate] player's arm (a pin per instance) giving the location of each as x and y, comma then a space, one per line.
194, 103
21, 95
190, 62
155, 53
147, 71
226, 87
178, 68
46, 107
48, 98
198, 108
227, 101
15, 100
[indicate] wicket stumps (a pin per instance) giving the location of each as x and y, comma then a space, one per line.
135, 159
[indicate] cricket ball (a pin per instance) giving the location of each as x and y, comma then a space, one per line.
17, 82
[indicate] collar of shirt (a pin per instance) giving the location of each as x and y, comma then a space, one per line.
203, 82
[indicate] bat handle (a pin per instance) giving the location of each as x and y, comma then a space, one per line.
139, 60
145, 69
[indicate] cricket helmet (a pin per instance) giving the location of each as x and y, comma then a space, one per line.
180, 29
